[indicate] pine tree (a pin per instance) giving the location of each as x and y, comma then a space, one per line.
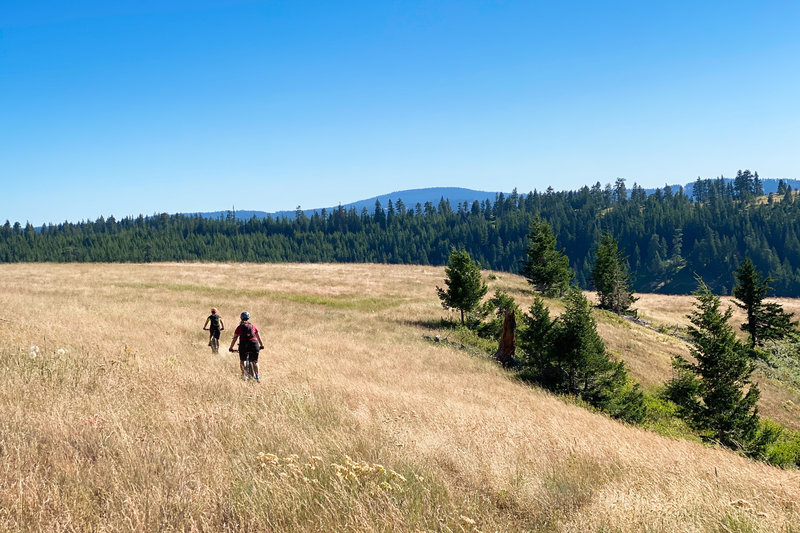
546, 268
465, 287
566, 355
751, 290
535, 339
715, 393
775, 323
611, 278
765, 321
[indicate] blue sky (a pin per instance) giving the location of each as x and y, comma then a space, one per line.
128, 107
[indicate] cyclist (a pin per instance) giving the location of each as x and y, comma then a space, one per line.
249, 344
217, 325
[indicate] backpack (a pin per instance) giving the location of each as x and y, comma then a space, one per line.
247, 332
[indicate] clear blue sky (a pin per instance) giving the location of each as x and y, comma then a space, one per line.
127, 107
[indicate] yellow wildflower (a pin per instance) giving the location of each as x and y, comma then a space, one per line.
397, 476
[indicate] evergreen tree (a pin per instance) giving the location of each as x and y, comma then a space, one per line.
765, 321
465, 287
750, 291
610, 276
546, 268
715, 393
567, 356
776, 323
534, 340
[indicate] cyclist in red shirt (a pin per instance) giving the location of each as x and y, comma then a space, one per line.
249, 343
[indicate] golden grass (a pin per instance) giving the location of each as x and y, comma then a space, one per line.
137, 427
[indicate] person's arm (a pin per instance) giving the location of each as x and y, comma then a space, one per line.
235, 338
206, 324
221, 324
260, 344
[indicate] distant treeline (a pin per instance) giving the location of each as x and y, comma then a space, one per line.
667, 236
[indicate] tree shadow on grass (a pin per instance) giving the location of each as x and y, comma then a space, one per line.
441, 323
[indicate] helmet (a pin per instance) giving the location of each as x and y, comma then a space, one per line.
245, 315
213, 309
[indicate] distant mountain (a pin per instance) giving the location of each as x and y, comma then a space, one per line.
456, 195
411, 197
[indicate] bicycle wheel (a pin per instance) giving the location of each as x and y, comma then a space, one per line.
214, 345
248, 371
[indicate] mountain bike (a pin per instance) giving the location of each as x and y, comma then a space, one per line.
213, 342
249, 371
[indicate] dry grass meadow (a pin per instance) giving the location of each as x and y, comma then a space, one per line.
125, 421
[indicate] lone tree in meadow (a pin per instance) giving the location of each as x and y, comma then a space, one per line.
765, 321
546, 268
715, 393
465, 287
611, 277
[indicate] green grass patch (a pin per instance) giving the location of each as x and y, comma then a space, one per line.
662, 418
346, 301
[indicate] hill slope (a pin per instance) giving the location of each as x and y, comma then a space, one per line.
138, 427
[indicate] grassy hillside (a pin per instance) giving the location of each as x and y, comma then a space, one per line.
124, 421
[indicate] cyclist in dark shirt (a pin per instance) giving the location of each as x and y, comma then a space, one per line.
217, 325
249, 344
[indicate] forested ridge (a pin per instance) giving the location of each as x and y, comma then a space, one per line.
667, 236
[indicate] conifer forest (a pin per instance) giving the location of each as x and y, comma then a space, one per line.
667, 237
